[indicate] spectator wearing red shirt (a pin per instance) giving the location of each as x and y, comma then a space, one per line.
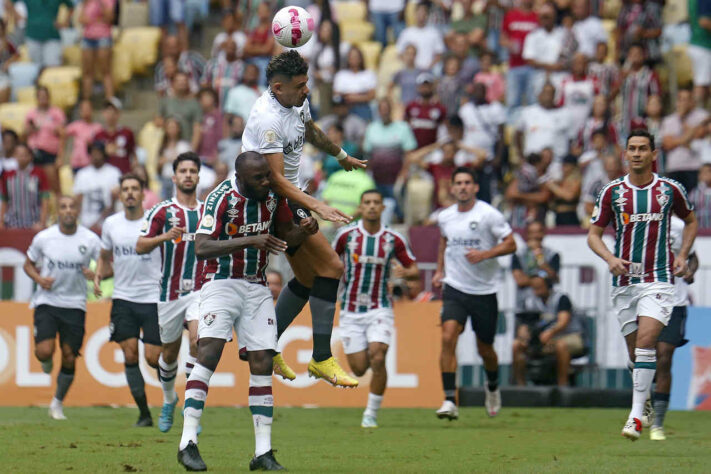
518, 23
260, 42
24, 193
119, 141
425, 114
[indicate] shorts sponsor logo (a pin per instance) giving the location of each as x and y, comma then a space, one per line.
209, 318
208, 221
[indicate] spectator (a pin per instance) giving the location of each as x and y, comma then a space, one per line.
386, 143
449, 88
426, 39
44, 126
223, 72
242, 97
700, 197
559, 331
7, 153
189, 62
172, 146
231, 21
600, 147
183, 107
406, 78
168, 14
518, 23
606, 75
211, 127
207, 180
471, 24
343, 189
426, 113
96, 16
387, 14
543, 126
82, 132
638, 82
150, 198
353, 126
325, 62
639, 22
588, 28
532, 259
229, 147
577, 92
566, 193
8, 55
699, 49
543, 49
42, 31
119, 141
599, 120
526, 194
24, 193
468, 63
329, 163
678, 131
95, 188
275, 283
493, 80
484, 128
652, 121
260, 41
596, 177
356, 84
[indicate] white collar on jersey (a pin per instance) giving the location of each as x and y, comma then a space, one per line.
175, 201
274, 99
655, 178
233, 181
362, 229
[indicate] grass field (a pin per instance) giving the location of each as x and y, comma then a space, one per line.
316, 440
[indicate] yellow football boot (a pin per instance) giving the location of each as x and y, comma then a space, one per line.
331, 372
281, 369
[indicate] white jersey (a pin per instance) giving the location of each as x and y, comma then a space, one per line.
136, 277
95, 185
63, 257
681, 288
273, 128
482, 228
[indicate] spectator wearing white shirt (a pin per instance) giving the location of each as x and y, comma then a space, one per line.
543, 126
324, 63
577, 93
588, 29
356, 85
543, 47
230, 26
386, 14
94, 187
242, 97
427, 39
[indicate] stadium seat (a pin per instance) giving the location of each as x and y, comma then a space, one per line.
611, 9
371, 53
356, 31
27, 95
133, 14
350, 11
121, 68
680, 65
142, 42
66, 180
63, 85
389, 64
22, 75
410, 13
610, 26
72, 55
12, 116
150, 138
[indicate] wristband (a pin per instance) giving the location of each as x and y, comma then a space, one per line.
342, 155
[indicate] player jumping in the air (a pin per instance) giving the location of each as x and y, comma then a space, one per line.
135, 297
64, 252
639, 206
235, 234
278, 125
171, 225
367, 321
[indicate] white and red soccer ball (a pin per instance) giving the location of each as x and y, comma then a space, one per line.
293, 26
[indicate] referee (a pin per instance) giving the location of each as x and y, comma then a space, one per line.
473, 235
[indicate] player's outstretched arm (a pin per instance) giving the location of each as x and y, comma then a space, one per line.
317, 138
284, 188
207, 246
617, 266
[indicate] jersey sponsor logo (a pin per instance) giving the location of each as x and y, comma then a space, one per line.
187, 284
363, 259
290, 147
208, 221
475, 243
643, 217
621, 199
256, 227
231, 228
636, 270
125, 250
63, 265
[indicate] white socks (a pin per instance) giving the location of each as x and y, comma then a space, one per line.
195, 395
645, 365
261, 404
373, 406
166, 375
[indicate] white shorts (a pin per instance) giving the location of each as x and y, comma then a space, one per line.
360, 329
700, 64
246, 307
642, 299
172, 314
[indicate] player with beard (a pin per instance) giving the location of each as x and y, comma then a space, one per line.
171, 226
278, 126
135, 298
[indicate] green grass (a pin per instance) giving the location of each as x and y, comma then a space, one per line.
315, 440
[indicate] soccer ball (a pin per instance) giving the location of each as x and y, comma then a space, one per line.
293, 26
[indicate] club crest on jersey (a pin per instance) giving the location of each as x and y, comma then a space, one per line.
663, 196
209, 318
271, 204
234, 202
82, 249
473, 225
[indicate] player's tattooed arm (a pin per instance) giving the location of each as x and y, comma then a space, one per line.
317, 138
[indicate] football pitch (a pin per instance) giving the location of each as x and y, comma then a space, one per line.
331, 440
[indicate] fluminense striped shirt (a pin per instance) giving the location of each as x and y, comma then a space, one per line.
636, 89
222, 76
23, 191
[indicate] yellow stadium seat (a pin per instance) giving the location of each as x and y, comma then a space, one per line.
389, 54
371, 53
63, 85
356, 31
150, 139
72, 55
350, 11
24, 54
12, 116
389, 65
610, 26
678, 60
675, 11
121, 69
133, 14
142, 42
611, 9
66, 180
410, 13
27, 95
